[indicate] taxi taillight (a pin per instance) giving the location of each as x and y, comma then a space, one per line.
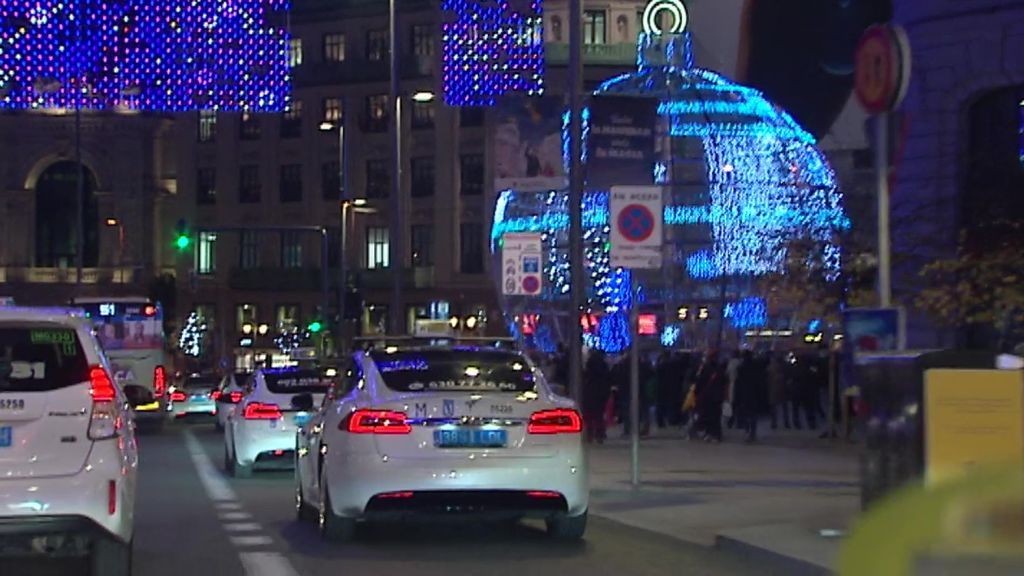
558, 421
159, 381
376, 422
261, 411
105, 421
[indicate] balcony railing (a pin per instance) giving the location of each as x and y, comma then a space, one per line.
32, 275
621, 54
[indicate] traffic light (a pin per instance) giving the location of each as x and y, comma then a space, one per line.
182, 240
315, 327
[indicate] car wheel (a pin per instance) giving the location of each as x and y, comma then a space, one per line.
333, 528
567, 527
111, 557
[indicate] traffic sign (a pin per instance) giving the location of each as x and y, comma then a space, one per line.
882, 68
636, 234
521, 258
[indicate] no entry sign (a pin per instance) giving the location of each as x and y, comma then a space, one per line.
636, 219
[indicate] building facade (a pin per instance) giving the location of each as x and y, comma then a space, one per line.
962, 158
262, 195
128, 184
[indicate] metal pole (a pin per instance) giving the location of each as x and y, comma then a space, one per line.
79, 200
397, 219
343, 251
634, 381
576, 272
884, 250
325, 295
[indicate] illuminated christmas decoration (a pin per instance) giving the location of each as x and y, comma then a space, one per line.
670, 335
491, 49
192, 336
146, 55
742, 181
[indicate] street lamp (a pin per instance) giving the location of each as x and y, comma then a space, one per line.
115, 223
423, 96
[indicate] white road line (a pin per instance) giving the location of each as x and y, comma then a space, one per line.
251, 541
242, 527
216, 486
227, 505
234, 516
266, 564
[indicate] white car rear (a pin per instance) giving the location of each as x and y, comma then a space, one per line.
194, 397
229, 393
440, 432
260, 430
68, 456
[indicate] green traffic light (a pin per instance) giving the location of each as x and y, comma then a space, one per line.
315, 326
183, 242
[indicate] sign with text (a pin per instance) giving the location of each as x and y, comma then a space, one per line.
521, 264
620, 144
636, 227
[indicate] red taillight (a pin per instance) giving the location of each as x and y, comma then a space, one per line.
376, 422
101, 386
236, 397
149, 310
215, 395
159, 381
177, 396
395, 495
559, 421
260, 411
543, 494
111, 497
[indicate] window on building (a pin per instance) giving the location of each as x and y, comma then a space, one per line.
246, 314
377, 45
470, 116
377, 113
330, 180
249, 185
423, 40
288, 316
206, 253
595, 29
250, 128
422, 176
332, 110
249, 250
207, 125
471, 248
334, 47
291, 183
294, 52
378, 247
421, 237
471, 174
422, 114
291, 249
378, 179
291, 121
206, 186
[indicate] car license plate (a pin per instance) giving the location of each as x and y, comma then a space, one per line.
198, 397
470, 438
5, 436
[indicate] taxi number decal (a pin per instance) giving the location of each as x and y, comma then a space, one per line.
65, 338
470, 385
27, 371
12, 404
501, 408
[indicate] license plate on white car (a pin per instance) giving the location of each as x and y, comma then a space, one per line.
6, 436
470, 438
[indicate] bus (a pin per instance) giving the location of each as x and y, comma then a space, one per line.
132, 334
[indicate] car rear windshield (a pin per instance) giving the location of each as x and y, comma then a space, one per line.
40, 358
297, 382
454, 371
202, 382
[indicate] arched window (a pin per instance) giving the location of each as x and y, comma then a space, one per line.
57, 218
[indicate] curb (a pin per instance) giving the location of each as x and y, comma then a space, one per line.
775, 562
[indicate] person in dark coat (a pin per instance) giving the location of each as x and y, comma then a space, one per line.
596, 388
710, 390
745, 394
667, 384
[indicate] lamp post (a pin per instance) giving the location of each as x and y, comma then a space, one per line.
397, 221
111, 223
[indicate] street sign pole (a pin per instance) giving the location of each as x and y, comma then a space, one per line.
576, 266
634, 380
882, 173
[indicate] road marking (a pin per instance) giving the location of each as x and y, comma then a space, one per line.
216, 486
227, 505
242, 527
234, 516
251, 540
266, 564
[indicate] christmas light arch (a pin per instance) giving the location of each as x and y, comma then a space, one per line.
743, 180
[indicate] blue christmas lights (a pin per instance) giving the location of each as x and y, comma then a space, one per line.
146, 55
747, 313
491, 49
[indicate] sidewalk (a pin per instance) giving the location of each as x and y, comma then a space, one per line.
771, 499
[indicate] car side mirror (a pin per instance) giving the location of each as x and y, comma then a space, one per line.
303, 402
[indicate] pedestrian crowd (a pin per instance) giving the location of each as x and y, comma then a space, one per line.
705, 392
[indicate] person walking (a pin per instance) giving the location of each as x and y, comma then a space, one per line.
745, 394
666, 380
777, 391
597, 387
710, 392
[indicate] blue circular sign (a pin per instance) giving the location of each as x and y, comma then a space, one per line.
636, 223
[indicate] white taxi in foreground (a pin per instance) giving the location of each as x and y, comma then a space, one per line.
68, 456
440, 432
260, 428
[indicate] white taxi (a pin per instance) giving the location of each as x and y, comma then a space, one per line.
229, 393
260, 428
428, 431
68, 456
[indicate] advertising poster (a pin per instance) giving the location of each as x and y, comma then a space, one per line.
873, 329
620, 145
528, 144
